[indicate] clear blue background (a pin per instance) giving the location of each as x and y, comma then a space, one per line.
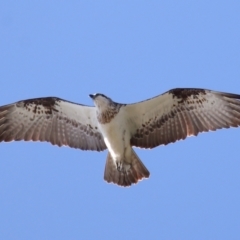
130, 51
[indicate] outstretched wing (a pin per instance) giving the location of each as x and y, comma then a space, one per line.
53, 120
180, 113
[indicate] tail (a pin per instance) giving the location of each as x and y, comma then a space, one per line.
131, 173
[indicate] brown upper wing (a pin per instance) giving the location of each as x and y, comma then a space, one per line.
53, 120
180, 113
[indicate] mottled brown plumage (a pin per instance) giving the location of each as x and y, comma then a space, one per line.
107, 115
53, 120
191, 111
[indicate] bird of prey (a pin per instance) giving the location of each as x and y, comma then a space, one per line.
164, 119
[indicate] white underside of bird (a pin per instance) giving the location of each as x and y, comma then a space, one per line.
116, 135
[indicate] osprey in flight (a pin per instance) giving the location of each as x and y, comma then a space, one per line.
164, 119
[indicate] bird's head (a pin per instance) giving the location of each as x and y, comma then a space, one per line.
100, 100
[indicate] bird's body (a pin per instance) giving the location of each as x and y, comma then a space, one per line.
116, 136
164, 119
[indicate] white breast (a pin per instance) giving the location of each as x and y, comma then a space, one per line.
116, 136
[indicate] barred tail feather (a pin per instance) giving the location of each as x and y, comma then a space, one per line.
135, 173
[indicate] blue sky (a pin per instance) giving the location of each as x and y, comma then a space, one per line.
130, 51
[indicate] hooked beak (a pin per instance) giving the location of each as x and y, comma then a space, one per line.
91, 96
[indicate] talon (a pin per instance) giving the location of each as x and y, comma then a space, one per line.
119, 166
